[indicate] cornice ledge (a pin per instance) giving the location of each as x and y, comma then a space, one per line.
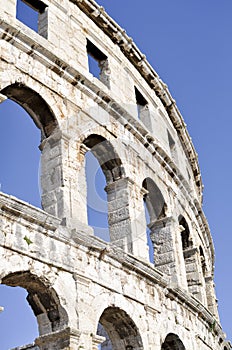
20, 209
195, 305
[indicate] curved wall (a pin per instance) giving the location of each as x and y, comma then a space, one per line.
125, 115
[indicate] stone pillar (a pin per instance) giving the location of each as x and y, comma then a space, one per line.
127, 224
63, 183
194, 275
163, 233
66, 339
211, 297
52, 179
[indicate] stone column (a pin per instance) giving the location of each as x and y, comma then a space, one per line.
194, 275
211, 297
127, 223
66, 339
52, 184
163, 233
63, 184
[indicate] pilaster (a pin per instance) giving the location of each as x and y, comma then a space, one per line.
211, 297
127, 222
63, 187
165, 255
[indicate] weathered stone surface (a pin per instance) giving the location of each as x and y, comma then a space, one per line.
84, 291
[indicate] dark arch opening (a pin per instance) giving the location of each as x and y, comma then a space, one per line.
120, 330
42, 299
172, 342
154, 200
35, 105
107, 157
155, 208
203, 262
185, 233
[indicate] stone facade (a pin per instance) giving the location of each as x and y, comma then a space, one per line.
85, 292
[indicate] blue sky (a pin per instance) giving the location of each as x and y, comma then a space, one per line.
189, 45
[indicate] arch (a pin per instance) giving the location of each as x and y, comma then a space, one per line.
42, 298
154, 200
203, 261
172, 342
107, 157
120, 330
114, 186
35, 105
185, 233
155, 209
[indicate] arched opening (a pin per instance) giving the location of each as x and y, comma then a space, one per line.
43, 300
188, 253
185, 234
18, 324
154, 200
172, 342
35, 105
154, 206
107, 157
119, 330
103, 168
20, 139
203, 262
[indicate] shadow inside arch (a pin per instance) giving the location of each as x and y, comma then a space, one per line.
154, 200
107, 157
172, 342
119, 330
43, 300
35, 105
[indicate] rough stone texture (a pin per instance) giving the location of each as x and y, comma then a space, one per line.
82, 290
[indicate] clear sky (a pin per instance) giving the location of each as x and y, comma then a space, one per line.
189, 45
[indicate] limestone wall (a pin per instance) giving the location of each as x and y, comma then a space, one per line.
129, 121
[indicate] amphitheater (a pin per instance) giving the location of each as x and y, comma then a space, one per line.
87, 293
